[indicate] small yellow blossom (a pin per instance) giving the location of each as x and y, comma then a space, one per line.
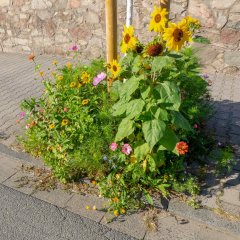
116, 213
85, 102
94, 207
79, 85
72, 84
51, 126
65, 122
41, 73
88, 207
68, 65
115, 199
123, 211
55, 62
85, 77
60, 77
94, 182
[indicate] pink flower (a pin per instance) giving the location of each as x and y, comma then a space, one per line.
113, 146
65, 109
74, 48
126, 149
28, 126
22, 115
99, 78
195, 126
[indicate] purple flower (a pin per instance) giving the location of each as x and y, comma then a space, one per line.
74, 48
105, 158
113, 146
126, 149
206, 76
99, 78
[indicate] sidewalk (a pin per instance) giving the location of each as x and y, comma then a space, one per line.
17, 83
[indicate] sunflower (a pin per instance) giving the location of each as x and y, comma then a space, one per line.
85, 77
158, 21
176, 35
85, 101
192, 23
154, 49
129, 42
72, 84
114, 68
65, 122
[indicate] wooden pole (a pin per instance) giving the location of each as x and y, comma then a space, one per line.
111, 33
111, 29
165, 4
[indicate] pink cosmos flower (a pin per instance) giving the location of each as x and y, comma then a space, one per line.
65, 109
99, 78
113, 146
74, 48
126, 149
22, 115
28, 126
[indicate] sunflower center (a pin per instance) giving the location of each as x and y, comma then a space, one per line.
158, 18
127, 38
114, 68
178, 35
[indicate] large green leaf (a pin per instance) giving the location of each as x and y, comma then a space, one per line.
134, 108
126, 128
180, 121
168, 141
151, 162
137, 64
169, 93
153, 131
145, 91
141, 151
130, 86
162, 62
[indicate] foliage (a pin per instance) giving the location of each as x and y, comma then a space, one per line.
65, 123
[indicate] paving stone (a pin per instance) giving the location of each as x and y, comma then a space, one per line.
57, 197
231, 194
78, 203
8, 167
132, 224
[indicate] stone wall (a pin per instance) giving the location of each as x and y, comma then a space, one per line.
50, 26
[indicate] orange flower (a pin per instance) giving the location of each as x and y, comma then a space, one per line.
31, 57
182, 147
115, 200
123, 211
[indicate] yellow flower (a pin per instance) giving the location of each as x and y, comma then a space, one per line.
192, 22
123, 211
129, 42
115, 199
94, 208
117, 176
51, 126
158, 21
55, 62
51, 148
85, 102
41, 73
176, 35
88, 207
72, 84
115, 68
64, 122
60, 77
94, 182
68, 65
79, 85
116, 213
85, 77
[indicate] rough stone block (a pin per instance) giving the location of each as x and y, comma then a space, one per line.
4, 3
231, 195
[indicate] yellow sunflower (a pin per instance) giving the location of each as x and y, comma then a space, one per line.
158, 21
176, 35
72, 84
114, 68
129, 42
65, 122
85, 77
192, 22
85, 101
